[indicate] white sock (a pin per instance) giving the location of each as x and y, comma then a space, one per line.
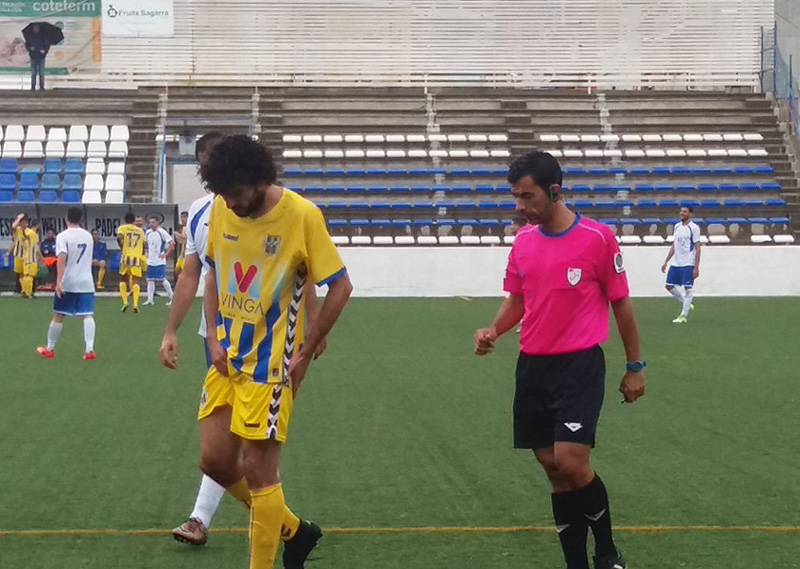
151, 290
676, 292
208, 498
52, 334
88, 333
167, 287
687, 304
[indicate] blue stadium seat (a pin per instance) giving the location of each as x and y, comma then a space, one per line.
489, 222
707, 187
335, 206
401, 222
685, 188
668, 203
764, 170
681, 171
422, 222
356, 190
484, 189
719, 171
466, 205
701, 171
710, 203
71, 196
288, 172
699, 221
337, 223
51, 182
622, 188
502, 188
397, 171
113, 259
609, 220
689, 203
446, 222
377, 190
26, 196
488, 205
665, 188
359, 223
6, 196
400, 205
317, 172
612, 204
375, 171
603, 188
661, 171
358, 206
335, 172
314, 190
759, 220
73, 182
53, 165
29, 181
461, 190
500, 172
652, 221
771, 187
380, 206
647, 204
9, 166
420, 190
574, 172
775, 203
639, 172
750, 187
48, 196
481, 172
744, 171
444, 189
617, 170
584, 188
350, 172
738, 221
715, 221
397, 190
446, 205
8, 182
631, 221
74, 166
733, 203
729, 187
460, 172
507, 205
467, 222
644, 188
779, 220
599, 172
418, 172
583, 204
334, 189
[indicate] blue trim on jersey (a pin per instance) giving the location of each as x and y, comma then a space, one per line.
163, 242
681, 276
210, 262
261, 372
562, 233
334, 277
245, 345
196, 220
156, 272
208, 354
74, 304
226, 341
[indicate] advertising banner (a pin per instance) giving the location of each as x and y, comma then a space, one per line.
138, 18
79, 21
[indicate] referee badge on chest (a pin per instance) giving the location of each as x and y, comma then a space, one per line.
271, 244
573, 276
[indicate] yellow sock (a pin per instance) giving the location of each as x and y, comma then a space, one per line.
27, 286
101, 274
123, 291
265, 526
136, 291
289, 525
241, 492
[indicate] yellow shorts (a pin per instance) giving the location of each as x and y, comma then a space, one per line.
261, 411
179, 264
125, 270
31, 270
19, 265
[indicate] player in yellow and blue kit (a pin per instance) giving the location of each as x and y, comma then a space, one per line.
266, 244
131, 242
18, 228
180, 239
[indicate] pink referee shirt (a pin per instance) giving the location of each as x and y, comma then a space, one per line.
566, 281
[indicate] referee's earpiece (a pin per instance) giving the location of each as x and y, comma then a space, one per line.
553, 195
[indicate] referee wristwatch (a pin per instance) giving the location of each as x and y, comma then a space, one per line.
636, 366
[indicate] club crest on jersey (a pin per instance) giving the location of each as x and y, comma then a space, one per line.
271, 244
574, 276
619, 264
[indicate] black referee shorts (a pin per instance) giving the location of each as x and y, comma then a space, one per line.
558, 398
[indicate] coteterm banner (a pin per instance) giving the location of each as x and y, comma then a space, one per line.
138, 18
79, 20
105, 218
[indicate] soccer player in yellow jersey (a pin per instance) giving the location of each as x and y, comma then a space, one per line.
180, 239
131, 242
266, 244
18, 228
31, 255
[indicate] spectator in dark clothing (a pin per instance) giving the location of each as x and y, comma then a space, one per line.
48, 249
37, 50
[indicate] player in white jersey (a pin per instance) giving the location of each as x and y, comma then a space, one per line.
160, 245
74, 284
685, 267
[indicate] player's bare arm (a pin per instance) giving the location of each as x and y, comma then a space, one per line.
211, 306
338, 294
168, 252
632, 385
312, 311
61, 265
509, 315
696, 271
185, 291
669, 256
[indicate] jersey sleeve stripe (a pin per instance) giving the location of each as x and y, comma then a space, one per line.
196, 220
334, 277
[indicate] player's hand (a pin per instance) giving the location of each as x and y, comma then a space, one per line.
632, 386
297, 370
219, 357
664, 268
169, 350
696, 273
162, 256
484, 341
20, 216
323, 345
59, 290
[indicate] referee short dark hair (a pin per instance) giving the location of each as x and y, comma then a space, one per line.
74, 215
238, 161
543, 169
206, 142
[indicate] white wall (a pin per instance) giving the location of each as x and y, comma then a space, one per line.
536, 43
478, 271
183, 185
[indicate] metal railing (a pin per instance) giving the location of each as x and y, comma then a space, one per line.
779, 77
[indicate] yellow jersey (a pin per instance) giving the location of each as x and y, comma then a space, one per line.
262, 268
182, 243
18, 243
30, 247
132, 245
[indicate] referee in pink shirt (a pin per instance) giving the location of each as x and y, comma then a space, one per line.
562, 273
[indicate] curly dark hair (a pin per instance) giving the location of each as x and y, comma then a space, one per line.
543, 169
238, 161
